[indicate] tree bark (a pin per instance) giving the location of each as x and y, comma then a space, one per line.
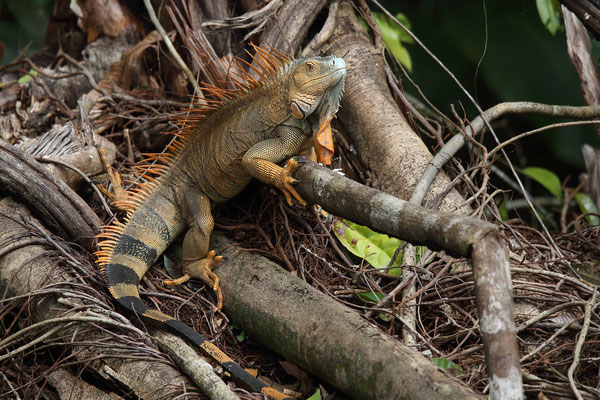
27, 267
323, 336
386, 143
23, 176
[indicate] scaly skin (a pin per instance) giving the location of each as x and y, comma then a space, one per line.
216, 154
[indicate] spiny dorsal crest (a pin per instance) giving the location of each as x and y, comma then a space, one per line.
268, 63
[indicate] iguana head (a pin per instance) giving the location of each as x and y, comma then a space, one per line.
315, 89
316, 83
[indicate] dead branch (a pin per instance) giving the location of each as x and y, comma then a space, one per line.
25, 177
479, 123
70, 386
580, 53
454, 233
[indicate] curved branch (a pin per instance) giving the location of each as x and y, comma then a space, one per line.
456, 234
21, 175
472, 129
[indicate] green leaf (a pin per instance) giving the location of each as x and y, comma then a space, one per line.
401, 54
385, 316
376, 248
394, 36
316, 395
240, 336
587, 205
28, 77
448, 365
501, 201
549, 11
372, 297
546, 178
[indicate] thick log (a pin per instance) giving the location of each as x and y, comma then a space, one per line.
323, 336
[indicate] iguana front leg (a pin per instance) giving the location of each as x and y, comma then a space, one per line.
260, 161
197, 261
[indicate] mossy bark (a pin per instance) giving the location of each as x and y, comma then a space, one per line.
322, 336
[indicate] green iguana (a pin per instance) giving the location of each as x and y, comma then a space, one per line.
218, 148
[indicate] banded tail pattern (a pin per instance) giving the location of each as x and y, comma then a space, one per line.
127, 252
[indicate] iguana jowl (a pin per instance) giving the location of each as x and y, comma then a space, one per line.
218, 149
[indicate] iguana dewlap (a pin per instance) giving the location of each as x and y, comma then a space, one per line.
219, 147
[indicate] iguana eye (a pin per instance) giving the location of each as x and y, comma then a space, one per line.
310, 66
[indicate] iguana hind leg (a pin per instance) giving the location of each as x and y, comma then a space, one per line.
197, 261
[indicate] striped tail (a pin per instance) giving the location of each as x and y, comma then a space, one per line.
125, 257
154, 317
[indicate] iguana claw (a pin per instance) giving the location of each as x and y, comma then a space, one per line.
287, 181
202, 269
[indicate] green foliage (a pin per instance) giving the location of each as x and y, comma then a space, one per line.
376, 248
27, 77
549, 11
501, 202
546, 178
316, 395
449, 366
23, 23
395, 36
372, 297
587, 205
240, 336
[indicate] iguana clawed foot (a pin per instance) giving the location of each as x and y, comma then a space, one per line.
201, 269
286, 182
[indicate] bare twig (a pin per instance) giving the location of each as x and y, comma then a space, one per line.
577, 351
481, 121
170, 46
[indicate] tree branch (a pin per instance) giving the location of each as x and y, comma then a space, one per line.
456, 234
